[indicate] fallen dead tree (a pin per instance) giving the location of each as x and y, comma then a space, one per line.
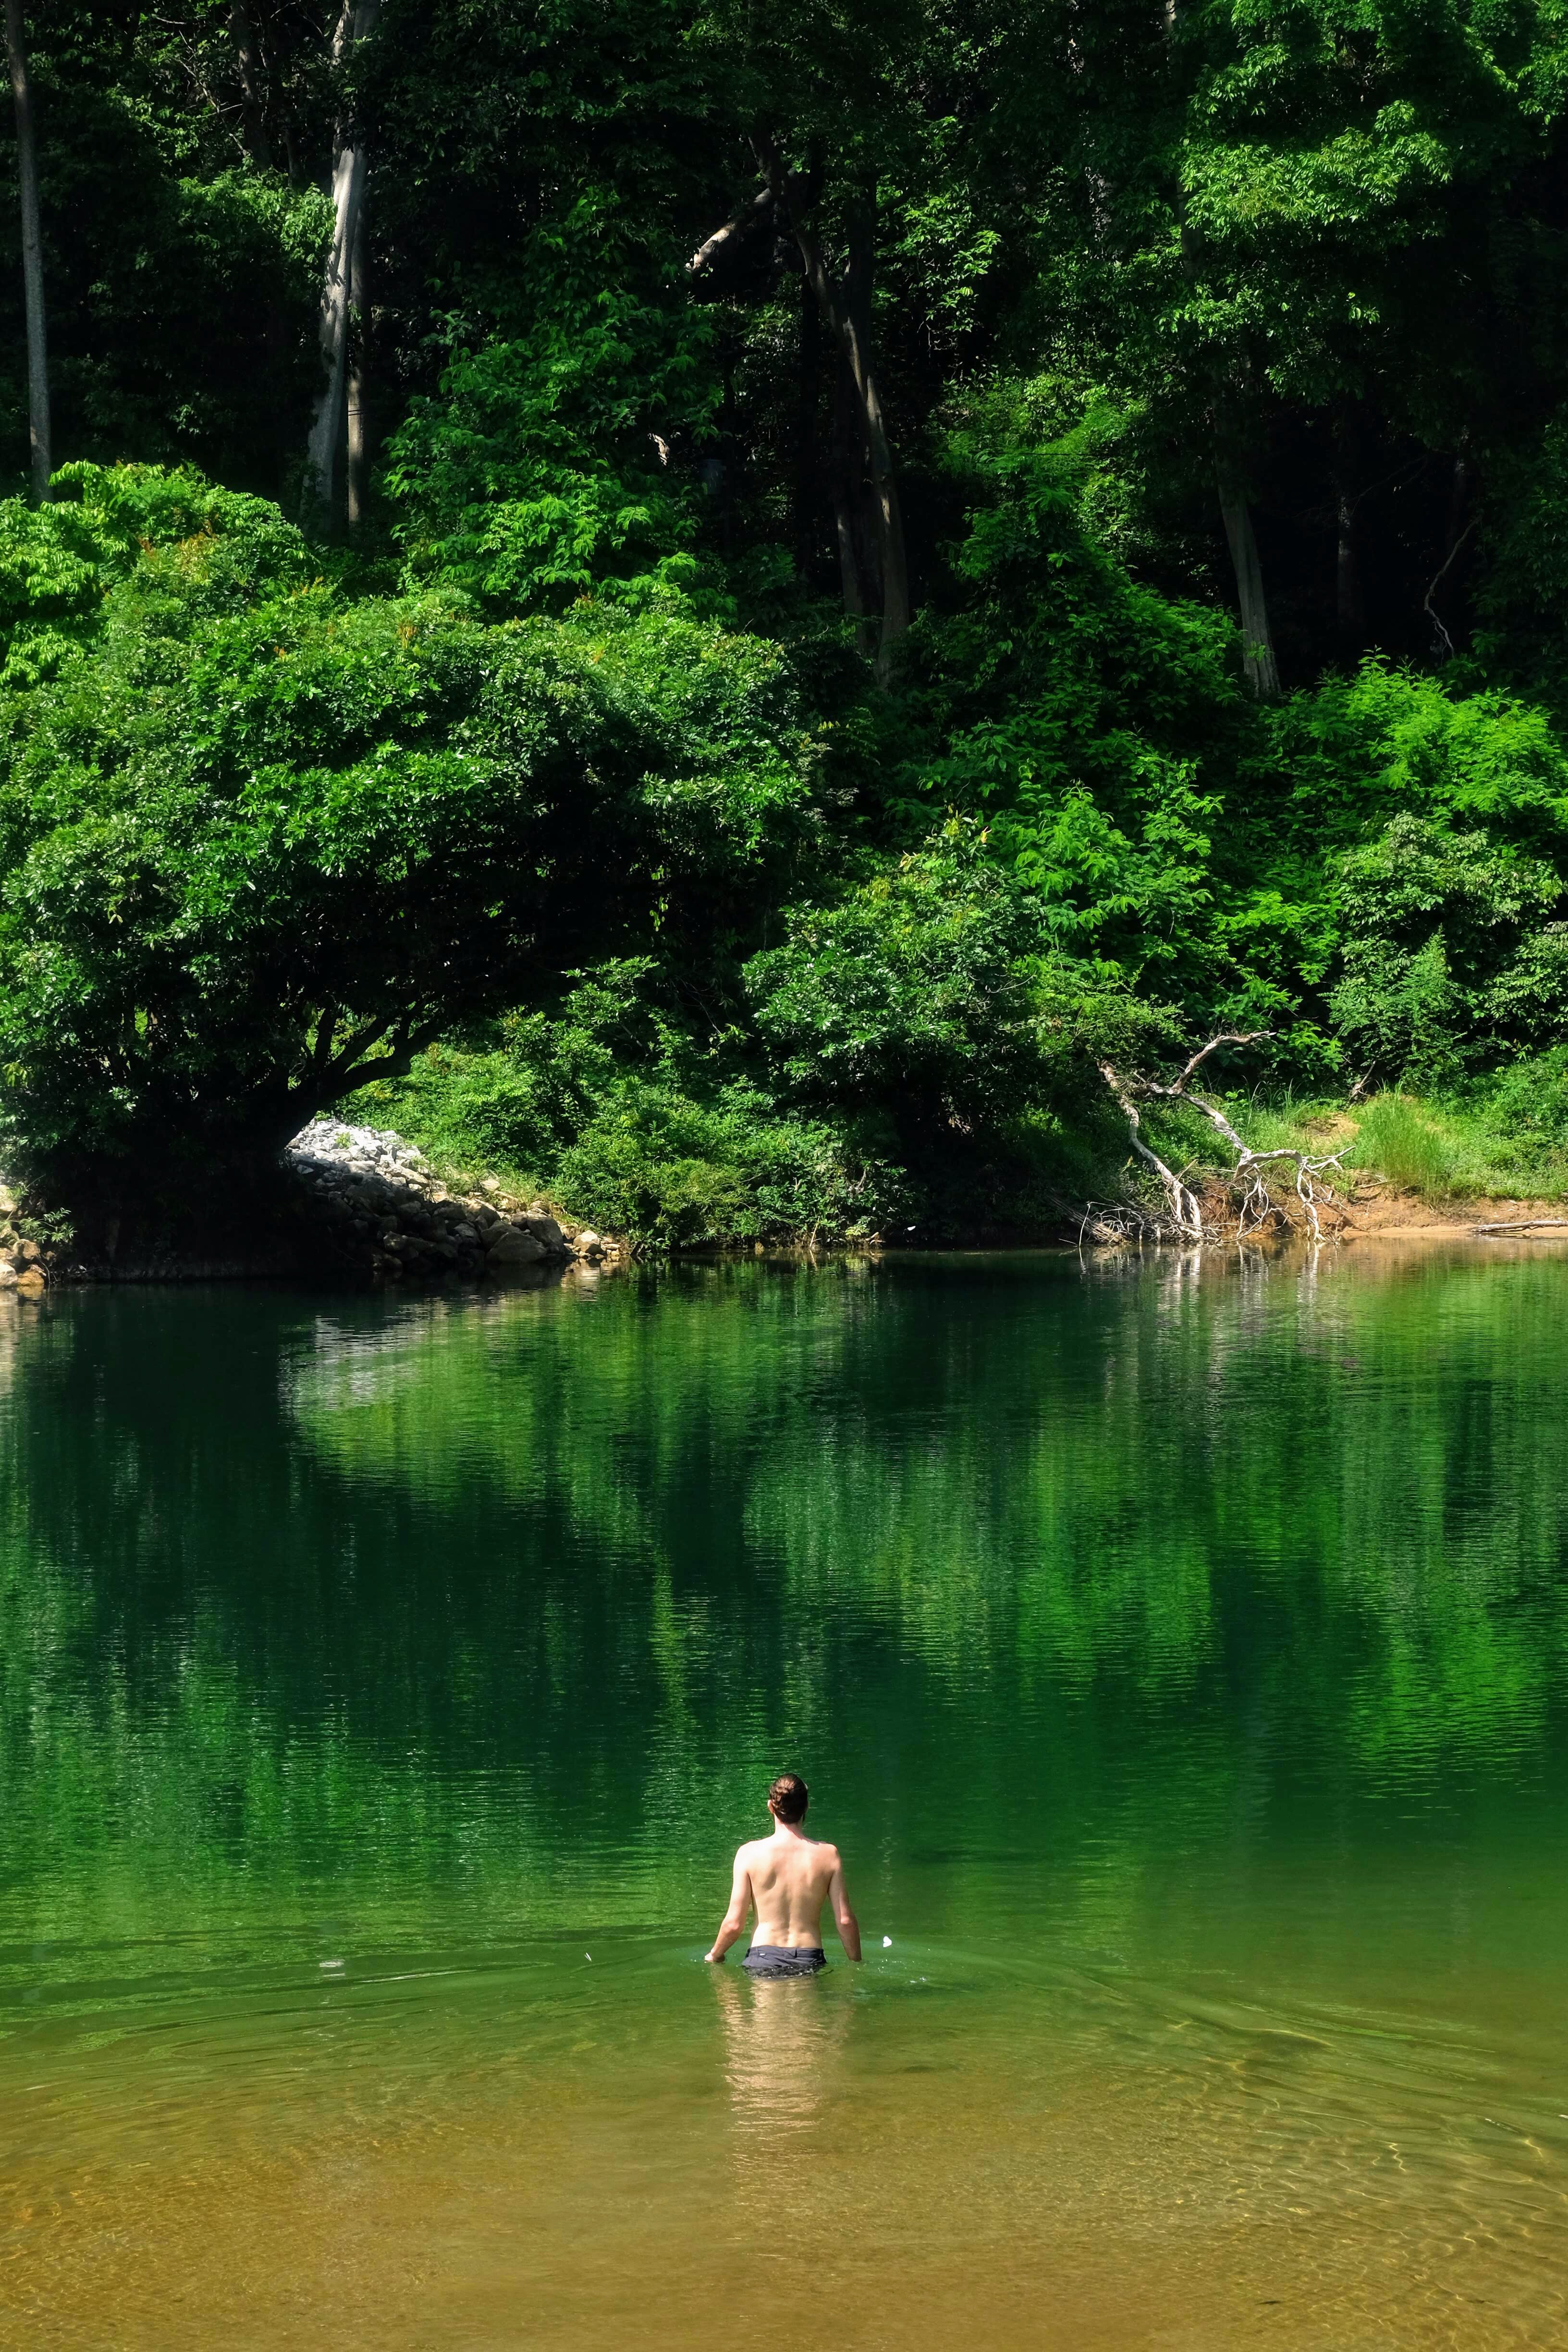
1254, 1175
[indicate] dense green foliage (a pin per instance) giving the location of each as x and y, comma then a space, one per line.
578, 787
255, 832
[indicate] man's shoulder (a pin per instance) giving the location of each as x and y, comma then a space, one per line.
828, 1851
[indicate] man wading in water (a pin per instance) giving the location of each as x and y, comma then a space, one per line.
789, 1877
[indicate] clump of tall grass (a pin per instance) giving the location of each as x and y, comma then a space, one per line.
1505, 1137
1398, 1136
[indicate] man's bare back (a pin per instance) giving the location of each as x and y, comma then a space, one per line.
787, 1877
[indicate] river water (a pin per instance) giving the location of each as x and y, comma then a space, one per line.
1178, 1652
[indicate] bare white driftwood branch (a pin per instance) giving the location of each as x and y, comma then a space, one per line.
1185, 1214
1259, 1207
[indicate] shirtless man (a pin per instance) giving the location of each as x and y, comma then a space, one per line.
789, 1877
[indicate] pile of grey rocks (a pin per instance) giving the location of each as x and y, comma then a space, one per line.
381, 1206
24, 1263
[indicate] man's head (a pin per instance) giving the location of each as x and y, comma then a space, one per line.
788, 1799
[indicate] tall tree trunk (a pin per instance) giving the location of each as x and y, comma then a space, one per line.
324, 504
806, 466
1350, 614
892, 560
1258, 646
846, 308
253, 84
857, 574
32, 255
844, 305
1350, 605
1458, 533
359, 330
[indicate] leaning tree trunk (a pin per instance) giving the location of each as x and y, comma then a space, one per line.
32, 255
888, 515
844, 307
1350, 614
1347, 472
1258, 646
327, 450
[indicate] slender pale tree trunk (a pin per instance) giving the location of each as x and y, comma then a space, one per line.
1347, 472
806, 466
844, 304
32, 255
893, 561
359, 327
327, 450
857, 571
1256, 645
1348, 614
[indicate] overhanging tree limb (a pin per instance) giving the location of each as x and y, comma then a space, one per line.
740, 225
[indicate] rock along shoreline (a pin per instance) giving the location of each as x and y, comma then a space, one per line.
358, 1204
385, 1213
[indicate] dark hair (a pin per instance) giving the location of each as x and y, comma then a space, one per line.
789, 1797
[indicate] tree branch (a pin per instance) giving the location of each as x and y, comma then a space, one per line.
1428, 607
1185, 1214
1226, 1037
740, 225
1259, 1205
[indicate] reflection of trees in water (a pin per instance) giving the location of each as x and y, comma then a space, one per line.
433, 1579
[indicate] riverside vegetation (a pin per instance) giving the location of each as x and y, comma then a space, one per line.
761, 626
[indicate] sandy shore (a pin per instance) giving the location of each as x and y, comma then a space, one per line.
1374, 1210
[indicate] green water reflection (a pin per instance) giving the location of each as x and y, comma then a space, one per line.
1109, 1610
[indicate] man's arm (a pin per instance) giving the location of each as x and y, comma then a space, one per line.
733, 1924
844, 1919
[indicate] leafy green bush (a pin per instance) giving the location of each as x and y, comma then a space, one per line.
1449, 950
610, 1110
913, 1059
194, 547
1530, 1099
657, 1164
917, 992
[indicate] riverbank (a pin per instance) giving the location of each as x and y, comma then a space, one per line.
357, 1204
1382, 1212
